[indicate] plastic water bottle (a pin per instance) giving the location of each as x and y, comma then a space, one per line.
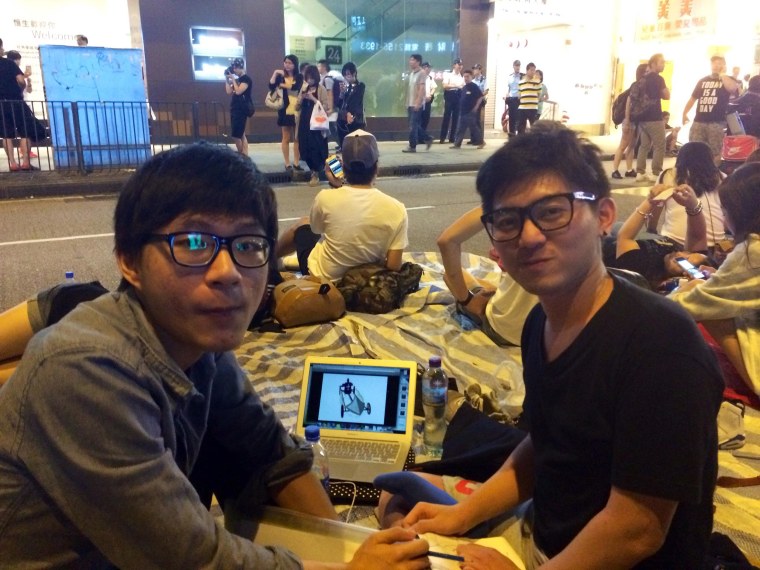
69, 278
320, 467
435, 386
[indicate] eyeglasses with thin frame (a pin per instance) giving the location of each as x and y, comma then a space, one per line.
199, 249
547, 214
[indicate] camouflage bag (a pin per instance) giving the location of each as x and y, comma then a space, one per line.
373, 288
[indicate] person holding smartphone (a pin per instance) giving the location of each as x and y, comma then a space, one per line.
238, 84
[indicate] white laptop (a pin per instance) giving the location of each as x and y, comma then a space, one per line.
365, 411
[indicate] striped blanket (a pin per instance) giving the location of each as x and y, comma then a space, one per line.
426, 324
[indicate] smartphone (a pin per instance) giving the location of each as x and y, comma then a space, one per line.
333, 162
690, 270
28, 70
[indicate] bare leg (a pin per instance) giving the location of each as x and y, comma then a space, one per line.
625, 142
23, 149
285, 144
724, 332
10, 151
286, 240
296, 151
242, 146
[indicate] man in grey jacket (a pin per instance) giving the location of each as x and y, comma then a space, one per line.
126, 415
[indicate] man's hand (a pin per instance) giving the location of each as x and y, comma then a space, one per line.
478, 557
441, 519
477, 304
392, 548
349, 118
685, 119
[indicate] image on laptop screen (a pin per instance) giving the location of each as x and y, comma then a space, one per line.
359, 398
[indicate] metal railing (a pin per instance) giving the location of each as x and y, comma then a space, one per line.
90, 136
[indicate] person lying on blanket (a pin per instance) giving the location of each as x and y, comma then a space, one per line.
123, 418
622, 392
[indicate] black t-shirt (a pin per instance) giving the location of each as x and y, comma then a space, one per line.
470, 94
647, 260
654, 84
9, 87
712, 100
239, 101
631, 403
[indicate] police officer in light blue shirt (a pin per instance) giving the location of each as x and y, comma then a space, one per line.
513, 95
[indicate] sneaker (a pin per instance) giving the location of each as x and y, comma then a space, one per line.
455, 146
314, 181
616, 175
630, 174
643, 178
731, 425
481, 145
429, 144
408, 149
298, 167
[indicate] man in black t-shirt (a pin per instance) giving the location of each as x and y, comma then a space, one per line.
622, 393
469, 113
651, 127
13, 121
711, 94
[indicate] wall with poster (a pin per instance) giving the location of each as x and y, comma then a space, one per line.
27, 24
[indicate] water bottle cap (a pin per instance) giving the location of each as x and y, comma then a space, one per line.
435, 361
69, 275
312, 433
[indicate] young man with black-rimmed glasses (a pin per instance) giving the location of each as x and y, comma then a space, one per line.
621, 391
123, 418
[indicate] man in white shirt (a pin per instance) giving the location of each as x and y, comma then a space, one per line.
350, 225
430, 88
331, 80
453, 81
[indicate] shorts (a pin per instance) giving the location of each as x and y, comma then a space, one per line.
237, 121
17, 120
710, 133
285, 120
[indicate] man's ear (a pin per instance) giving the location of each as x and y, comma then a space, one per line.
129, 266
607, 213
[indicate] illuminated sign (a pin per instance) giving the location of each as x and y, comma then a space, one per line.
213, 49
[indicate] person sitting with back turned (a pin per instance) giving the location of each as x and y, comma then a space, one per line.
125, 402
349, 225
622, 393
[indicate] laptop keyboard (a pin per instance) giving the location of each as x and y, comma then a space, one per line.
365, 451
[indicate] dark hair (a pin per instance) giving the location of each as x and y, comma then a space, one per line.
654, 58
740, 198
530, 65
641, 70
695, 167
359, 175
294, 60
549, 148
467, 71
754, 156
312, 72
754, 84
541, 73
325, 63
198, 178
349, 68
416, 56
13, 55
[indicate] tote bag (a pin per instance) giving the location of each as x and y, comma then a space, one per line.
319, 120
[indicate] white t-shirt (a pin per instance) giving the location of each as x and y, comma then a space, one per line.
358, 225
507, 310
674, 215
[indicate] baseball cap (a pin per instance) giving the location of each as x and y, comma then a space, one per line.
360, 150
238, 62
425, 64
458, 61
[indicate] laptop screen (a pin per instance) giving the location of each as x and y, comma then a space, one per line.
358, 397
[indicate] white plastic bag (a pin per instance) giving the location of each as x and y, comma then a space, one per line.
319, 119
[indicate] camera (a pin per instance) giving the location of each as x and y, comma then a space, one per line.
228, 71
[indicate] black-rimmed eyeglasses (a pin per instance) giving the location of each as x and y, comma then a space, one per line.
199, 249
547, 214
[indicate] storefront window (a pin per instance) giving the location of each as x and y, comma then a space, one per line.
378, 36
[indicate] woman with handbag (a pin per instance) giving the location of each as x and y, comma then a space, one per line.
314, 105
238, 85
351, 114
288, 81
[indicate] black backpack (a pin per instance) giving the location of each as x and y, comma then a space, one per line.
618, 107
641, 102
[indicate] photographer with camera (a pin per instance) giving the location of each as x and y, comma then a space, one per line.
238, 84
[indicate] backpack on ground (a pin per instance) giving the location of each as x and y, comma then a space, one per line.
373, 288
306, 301
618, 107
641, 101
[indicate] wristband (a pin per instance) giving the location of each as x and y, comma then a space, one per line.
645, 215
697, 209
468, 299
